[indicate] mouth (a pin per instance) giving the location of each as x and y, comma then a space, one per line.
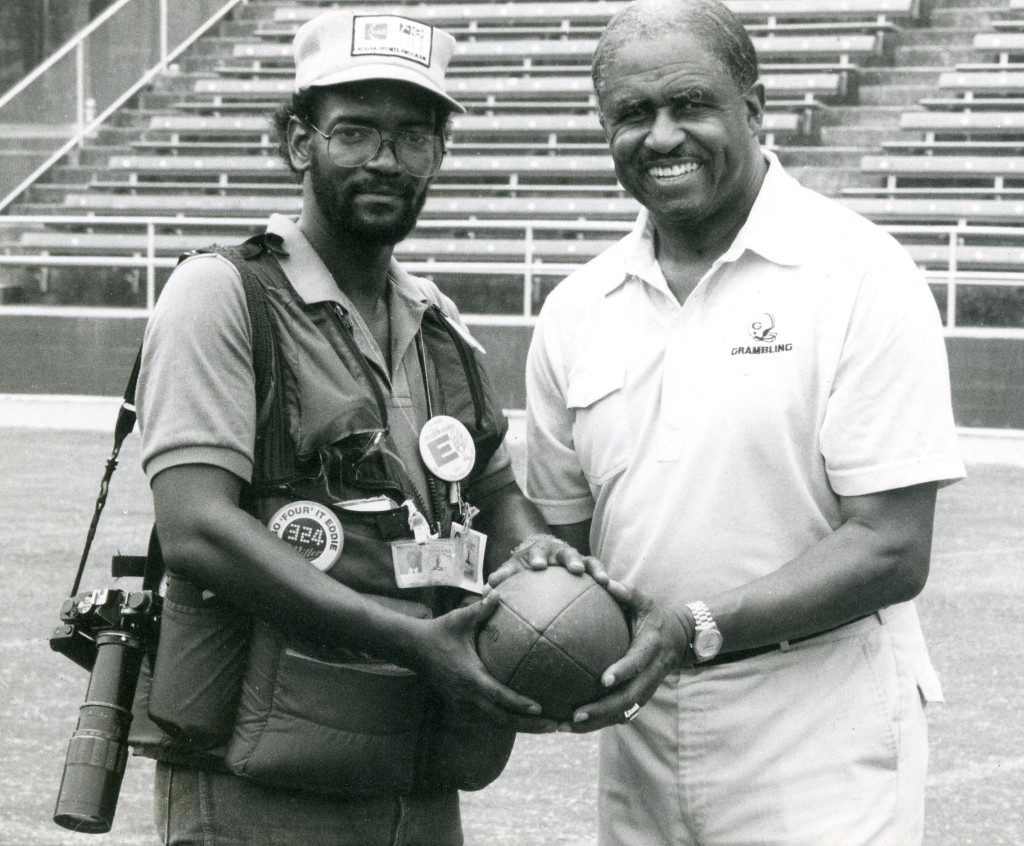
673, 171
381, 197
382, 189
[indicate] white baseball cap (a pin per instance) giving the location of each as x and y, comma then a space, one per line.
338, 47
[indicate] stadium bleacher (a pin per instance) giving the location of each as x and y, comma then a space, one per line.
197, 143
833, 15
958, 159
530, 147
909, 111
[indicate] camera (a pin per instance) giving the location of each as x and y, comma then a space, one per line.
108, 633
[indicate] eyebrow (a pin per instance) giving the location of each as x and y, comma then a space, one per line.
697, 94
693, 93
627, 103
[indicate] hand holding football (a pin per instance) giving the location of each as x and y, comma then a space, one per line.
552, 637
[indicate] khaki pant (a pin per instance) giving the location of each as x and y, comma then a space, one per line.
201, 808
822, 745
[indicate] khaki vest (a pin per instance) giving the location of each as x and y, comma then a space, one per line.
280, 710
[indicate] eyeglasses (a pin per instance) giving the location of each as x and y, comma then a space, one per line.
350, 145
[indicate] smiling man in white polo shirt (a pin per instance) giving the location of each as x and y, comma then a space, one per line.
743, 410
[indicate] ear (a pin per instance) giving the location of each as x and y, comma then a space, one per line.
754, 98
300, 137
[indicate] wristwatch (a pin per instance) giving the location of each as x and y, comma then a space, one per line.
707, 639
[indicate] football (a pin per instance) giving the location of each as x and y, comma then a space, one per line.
551, 638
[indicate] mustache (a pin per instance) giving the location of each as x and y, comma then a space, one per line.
675, 156
396, 186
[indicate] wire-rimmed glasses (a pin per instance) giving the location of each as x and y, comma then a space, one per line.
353, 145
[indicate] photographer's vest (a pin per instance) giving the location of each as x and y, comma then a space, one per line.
304, 717
331, 409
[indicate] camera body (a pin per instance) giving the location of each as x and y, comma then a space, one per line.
107, 632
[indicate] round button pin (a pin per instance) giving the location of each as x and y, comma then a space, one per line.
447, 448
313, 530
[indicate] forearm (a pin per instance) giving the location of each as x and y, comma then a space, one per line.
506, 517
864, 565
834, 582
223, 549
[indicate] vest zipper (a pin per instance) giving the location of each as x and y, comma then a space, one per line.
400, 815
348, 331
349, 334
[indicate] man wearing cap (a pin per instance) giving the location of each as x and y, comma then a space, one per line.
344, 513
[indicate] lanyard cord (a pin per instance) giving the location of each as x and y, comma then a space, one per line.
423, 371
438, 499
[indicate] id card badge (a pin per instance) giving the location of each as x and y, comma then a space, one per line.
475, 546
437, 562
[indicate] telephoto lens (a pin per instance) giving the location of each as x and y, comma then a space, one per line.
98, 750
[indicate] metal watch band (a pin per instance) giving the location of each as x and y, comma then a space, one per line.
707, 639
701, 615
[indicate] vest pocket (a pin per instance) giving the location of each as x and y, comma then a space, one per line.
200, 659
600, 425
349, 727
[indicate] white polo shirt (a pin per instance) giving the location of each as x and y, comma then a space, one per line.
710, 441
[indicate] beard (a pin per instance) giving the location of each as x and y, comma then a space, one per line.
351, 214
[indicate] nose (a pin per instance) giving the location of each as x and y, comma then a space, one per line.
665, 133
385, 158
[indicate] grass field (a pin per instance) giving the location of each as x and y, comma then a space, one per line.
971, 610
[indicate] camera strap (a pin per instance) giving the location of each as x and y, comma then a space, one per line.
150, 566
122, 428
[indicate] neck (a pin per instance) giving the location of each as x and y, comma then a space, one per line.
359, 268
686, 249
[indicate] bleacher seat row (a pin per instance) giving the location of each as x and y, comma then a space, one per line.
531, 148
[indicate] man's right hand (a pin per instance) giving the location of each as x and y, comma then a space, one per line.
540, 551
446, 658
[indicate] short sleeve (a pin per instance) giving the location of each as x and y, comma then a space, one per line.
554, 478
196, 393
889, 420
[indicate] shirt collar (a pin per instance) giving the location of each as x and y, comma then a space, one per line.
770, 231
312, 280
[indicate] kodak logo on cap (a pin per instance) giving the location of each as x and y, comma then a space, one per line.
390, 35
339, 47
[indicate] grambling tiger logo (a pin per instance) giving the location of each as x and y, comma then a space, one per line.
762, 330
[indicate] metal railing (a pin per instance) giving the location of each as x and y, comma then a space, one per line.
953, 274
60, 103
526, 269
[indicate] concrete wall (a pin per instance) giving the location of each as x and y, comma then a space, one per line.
91, 356
67, 355
988, 382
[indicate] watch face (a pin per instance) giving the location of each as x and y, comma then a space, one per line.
707, 644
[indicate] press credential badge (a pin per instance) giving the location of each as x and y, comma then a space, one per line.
448, 452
